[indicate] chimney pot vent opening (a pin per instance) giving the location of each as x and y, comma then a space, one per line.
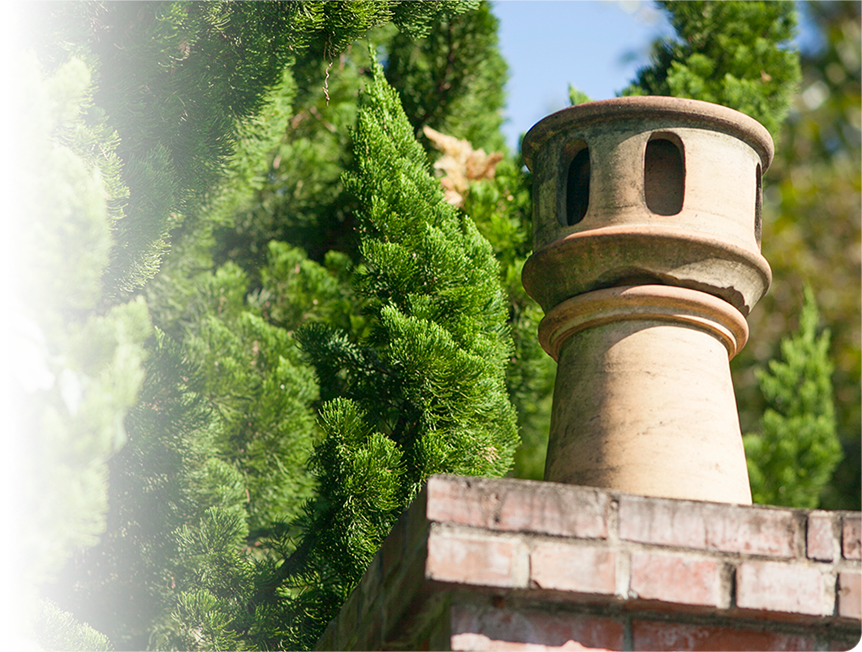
577, 185
664, 174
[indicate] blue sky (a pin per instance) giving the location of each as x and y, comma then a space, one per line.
595, 45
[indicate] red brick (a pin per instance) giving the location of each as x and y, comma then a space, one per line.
405, 591
676, 579
851, 546
850, 595
327, 640
477, 627
564, 567
649, 635
347, 623
708, 526
392, 551
370, 586
370, 635
819, 536
414, 523
563, 511
771, 586
837, 646
460, 500
519, 506
482, 561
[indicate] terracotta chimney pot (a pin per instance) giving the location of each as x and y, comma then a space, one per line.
646, 221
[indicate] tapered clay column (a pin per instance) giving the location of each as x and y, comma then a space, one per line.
646, 219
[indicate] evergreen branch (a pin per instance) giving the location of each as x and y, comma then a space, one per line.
444, 86
792, 458
712, 56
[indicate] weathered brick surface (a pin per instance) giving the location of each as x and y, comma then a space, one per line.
435, 637
519, 506
565, 567
414, 523
851, 546
347, 630
708, 526
771, 586
327, 640
675, 579
581, 568
480, 561
370, 636
842, 644
403, 595
485, 628
819, 536
369, 587
656, 636
393, 550
850, 595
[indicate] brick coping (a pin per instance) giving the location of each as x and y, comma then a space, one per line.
520, 547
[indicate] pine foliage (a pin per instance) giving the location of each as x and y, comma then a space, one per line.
791, 460
423, 392
813, 234
732, 53
261, 391
432, 280
165, 478
196, 154
452, 79
230, 408
59, 630
76, 369
183, 86
301, 200
465, 102
502, 210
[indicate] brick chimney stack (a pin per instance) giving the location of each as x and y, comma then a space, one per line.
646, 219
647, 261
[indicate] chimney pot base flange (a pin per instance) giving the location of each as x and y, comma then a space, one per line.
663, 303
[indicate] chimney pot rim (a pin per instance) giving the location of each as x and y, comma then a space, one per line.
696, 112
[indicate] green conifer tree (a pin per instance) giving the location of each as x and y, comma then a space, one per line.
430, 369
60, 631
730, 53
812, 232
221, 132
461, 57
124, 586
206, 444
423, 392
180, 80
453, 79
76, 369
792, 458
